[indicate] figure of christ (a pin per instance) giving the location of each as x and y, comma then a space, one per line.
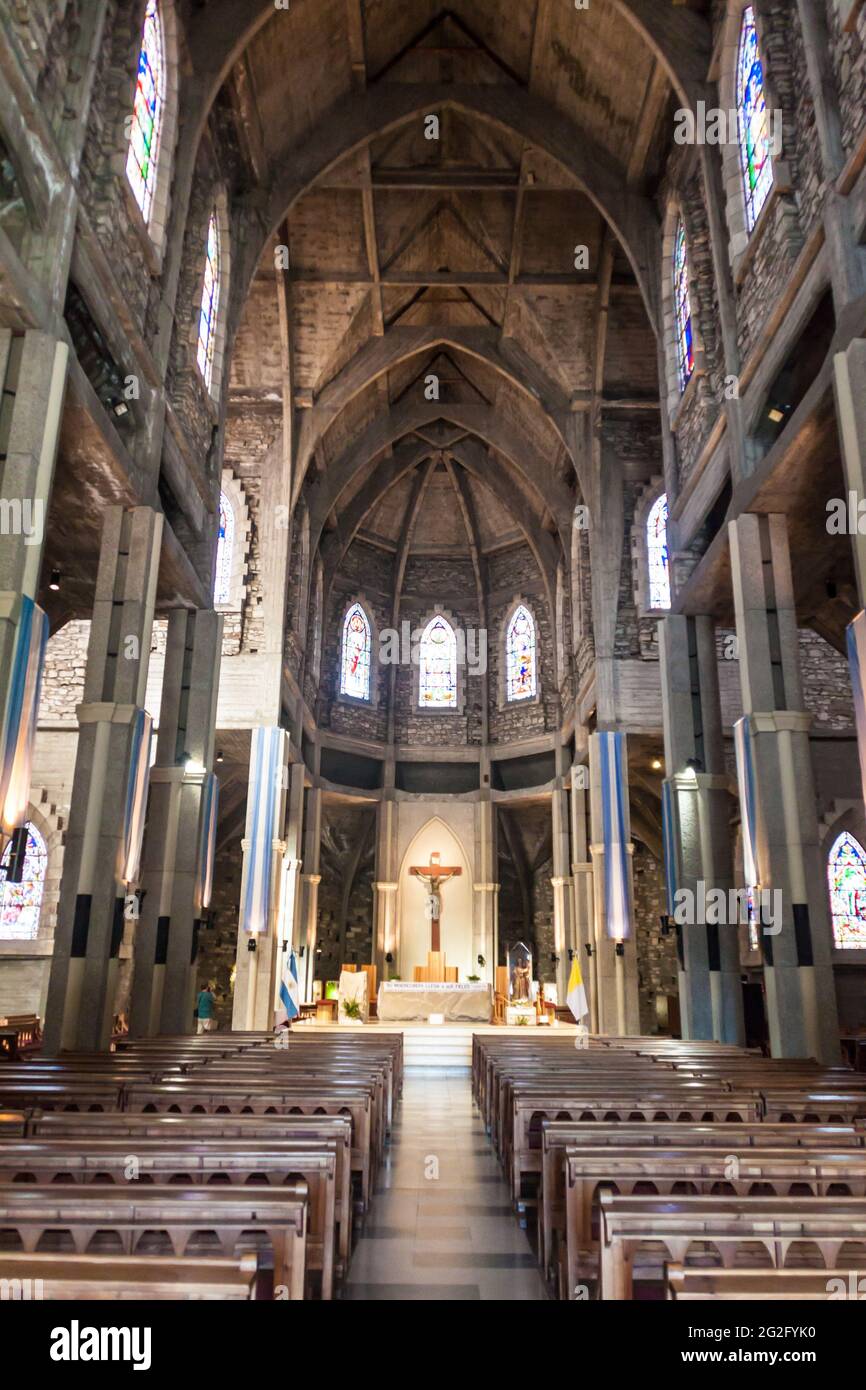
433, 875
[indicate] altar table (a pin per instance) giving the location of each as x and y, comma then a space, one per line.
399, 1001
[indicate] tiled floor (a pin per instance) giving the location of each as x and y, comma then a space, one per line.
441, 1224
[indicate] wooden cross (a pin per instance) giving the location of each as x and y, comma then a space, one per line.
434, 874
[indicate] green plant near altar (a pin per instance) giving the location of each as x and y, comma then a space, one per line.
351, 1008
393, 977
473, 979
522, 1022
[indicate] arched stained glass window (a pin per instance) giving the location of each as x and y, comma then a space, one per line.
210, 295
846, 877
437, 665
682, 309
754, 122
657, 554
20, 903
225, 553
148, 109
520, 655
357, 643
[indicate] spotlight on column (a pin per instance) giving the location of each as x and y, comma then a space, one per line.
588, 947
17, 855
656, 764
620, 948
219, 756
481, 961
389, 959
571, 953
251, 944
554, 958
54, 581
665, 924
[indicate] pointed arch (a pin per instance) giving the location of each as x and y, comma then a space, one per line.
753, 133
21, 903
846, 880
521, 646
147, 124
356, 656
658, 559
437, 666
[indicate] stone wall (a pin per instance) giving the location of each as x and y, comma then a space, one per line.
656, 954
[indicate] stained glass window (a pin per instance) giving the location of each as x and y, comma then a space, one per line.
437, 664
210, 295
147, 111
846, 876
520, 655
357, 641
657, 554
225, 553
682, 309
754, 122
20, 902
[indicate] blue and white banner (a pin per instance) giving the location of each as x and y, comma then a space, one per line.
745, 751
857, 664
265, 788
669, 843
210, 796
290, 995
617, 905
22, 709
138, 780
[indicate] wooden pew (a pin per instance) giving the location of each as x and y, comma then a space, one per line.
726, 1228
763, 1285
322, 1097
241, 1130
232, 1218
190, 1163
522, 1139
559, 1135
118, 1278
702, 1170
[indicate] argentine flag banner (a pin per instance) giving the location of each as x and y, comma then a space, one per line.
290, 996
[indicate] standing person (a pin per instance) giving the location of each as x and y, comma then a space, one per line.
205, 1009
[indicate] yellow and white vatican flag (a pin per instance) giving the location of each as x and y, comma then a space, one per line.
576, 997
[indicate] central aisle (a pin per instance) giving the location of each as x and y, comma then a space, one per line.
452, 1236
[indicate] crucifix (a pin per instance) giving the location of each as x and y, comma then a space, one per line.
433, 875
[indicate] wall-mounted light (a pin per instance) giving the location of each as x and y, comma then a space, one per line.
554, 958
665, 924
251, 944
656, 764
389, 959
54, 581
481, 961
219, 756
620, 948
587, 946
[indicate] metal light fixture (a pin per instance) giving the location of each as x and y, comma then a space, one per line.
54, 581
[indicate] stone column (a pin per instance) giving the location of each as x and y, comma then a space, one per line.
256, 969
90, 927
614, 947
163, 986
33, 378
850, 384
485, 889
582, 931
798, 969
310, 880
563, 935
385, 888
699, 855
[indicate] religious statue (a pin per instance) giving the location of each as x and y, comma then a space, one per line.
433, 875
519, 974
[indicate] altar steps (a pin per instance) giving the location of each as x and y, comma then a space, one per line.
432, 1047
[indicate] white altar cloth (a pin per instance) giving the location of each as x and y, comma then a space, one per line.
399, 1001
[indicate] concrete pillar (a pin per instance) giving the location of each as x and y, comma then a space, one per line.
33, 378
798, 969
699, 856
256, 976
163, 986
310, 880
561, 880
582, 918
614, 948
850, 383
385, 889
90, 927
485, 889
